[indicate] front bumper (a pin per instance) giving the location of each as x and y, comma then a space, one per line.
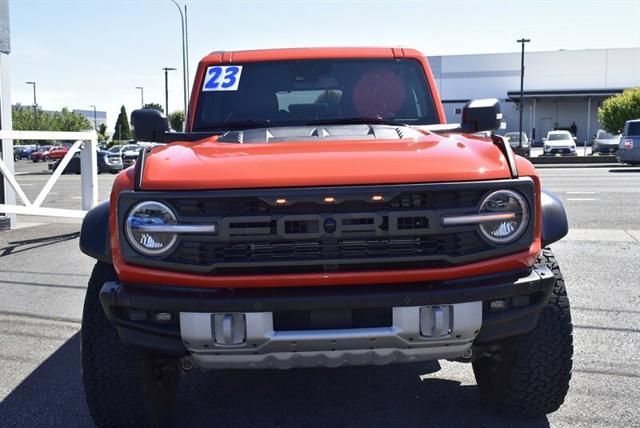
629, 155
225, 328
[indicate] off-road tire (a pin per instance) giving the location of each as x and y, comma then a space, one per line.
530, 375
123, 387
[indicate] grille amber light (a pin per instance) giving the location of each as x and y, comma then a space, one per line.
281, 201
377, 198
329, 199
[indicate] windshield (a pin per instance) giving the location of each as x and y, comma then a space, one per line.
602, 135
557, 137
313, 92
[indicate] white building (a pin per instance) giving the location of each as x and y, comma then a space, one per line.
560, 87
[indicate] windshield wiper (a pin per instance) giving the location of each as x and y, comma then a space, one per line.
360, 120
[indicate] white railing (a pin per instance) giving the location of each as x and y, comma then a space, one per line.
88, 169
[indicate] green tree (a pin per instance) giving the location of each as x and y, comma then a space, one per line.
615, 111
122, 129
154, 106
176, 119
102, 132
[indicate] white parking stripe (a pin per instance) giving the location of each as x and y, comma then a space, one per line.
581, 193
581, 199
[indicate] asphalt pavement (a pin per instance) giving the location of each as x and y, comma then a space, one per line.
43, 277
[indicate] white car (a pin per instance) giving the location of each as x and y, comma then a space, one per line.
559, 143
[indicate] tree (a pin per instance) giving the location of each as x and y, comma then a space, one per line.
154, 106
616, 110
176, 119
102, 132
122, 129
64, 120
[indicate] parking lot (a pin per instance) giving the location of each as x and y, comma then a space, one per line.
43, 277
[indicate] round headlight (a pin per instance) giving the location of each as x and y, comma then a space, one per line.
146, 228
504, 230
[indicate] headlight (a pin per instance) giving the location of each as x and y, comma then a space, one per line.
146, 228
508, 228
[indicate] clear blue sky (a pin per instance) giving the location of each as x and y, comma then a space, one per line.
97, 52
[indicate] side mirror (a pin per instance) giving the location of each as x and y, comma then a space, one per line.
481, 115
149, 125
544, 139
575, 138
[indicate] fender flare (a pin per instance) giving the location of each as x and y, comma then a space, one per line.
94, 234
554, 218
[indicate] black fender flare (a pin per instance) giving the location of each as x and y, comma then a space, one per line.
94, 234
554, 218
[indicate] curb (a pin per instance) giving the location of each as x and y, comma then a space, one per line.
581, 165
570, 160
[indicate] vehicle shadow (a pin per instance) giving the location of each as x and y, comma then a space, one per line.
389, 396
15, 247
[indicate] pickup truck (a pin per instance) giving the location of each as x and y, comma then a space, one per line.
318, 211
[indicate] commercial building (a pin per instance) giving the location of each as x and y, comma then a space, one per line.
97, 120
560, 87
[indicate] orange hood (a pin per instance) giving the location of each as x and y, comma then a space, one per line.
207, 164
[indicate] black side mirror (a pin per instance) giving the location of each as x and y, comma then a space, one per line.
481, 115
149, 125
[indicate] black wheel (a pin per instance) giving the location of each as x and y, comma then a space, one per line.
531, 373
123, 387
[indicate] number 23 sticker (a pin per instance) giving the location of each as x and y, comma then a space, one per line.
222, 78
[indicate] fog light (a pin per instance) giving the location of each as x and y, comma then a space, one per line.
497, 305
163, 317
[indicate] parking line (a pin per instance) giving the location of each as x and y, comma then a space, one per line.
581, 199
581, 193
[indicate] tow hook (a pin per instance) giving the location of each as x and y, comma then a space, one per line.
467, 356
186, 364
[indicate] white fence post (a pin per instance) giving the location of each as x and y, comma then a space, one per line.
89, 173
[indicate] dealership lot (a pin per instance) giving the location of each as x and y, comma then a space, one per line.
43, 277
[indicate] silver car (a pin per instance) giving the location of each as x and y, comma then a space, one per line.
514, 141
603, 142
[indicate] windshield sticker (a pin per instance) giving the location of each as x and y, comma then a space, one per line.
222, 78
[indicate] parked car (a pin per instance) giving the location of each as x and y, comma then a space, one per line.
130, 153
58, 152
514, 141
107, 162
307, 240
559, 143
42, 154
629, 148
603, 142
23, 152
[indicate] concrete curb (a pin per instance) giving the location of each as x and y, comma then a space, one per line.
582, 165
570, 160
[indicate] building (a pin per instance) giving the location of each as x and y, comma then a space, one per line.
97, 120
560, 87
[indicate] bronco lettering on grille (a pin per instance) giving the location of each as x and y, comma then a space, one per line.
314, 226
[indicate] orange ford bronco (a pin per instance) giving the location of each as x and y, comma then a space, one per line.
319, 211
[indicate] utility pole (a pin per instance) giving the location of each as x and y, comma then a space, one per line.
141, 96
35, 108
95, 119
522, 42
166, 88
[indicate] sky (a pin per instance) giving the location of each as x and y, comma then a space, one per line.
95, 52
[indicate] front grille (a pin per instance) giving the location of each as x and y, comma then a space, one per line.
362, 228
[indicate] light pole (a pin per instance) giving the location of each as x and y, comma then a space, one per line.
35, 105
166, 88
141, 96
184, 56
95, 119
521, 41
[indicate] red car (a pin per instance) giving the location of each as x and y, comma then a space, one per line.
42, 154
320, 212
58, 152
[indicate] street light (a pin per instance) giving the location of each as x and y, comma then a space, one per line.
166, 88
95, 119
35, 105
185, 75
141, 96
522, 41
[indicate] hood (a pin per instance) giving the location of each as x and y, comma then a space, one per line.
210, 164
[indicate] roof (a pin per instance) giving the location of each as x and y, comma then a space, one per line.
311, 53
557, 93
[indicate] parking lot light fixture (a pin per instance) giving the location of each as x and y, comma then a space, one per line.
95, 119
141, 95
522, 41
166, 88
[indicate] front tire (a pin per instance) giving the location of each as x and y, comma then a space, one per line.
530, 375
123, 387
